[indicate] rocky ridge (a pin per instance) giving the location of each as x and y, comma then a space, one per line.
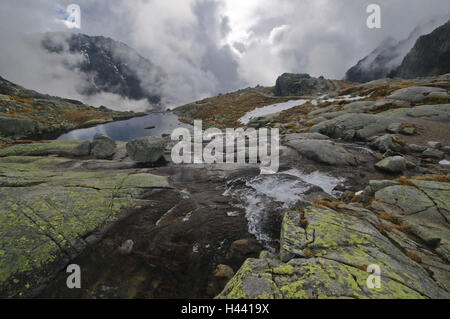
29, 115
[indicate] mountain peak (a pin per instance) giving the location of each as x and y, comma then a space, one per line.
111, 66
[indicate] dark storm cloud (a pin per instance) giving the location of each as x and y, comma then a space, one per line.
210, 46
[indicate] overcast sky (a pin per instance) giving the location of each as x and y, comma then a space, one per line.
213, 46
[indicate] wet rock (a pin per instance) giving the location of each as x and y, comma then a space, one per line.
414, 94
147, 149
243, 248
103, 147
433, 153
83, 149
395, 164
324, 152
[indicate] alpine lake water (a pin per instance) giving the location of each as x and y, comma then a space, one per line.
154, 124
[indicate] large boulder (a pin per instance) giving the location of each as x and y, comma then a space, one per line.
103, 147
290, 84
394, 164
323, 151
147, 149
385, 143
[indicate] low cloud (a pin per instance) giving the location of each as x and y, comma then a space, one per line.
205, 47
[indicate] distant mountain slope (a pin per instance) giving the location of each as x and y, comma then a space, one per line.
388, 56
111, 66
429, 56
27, 114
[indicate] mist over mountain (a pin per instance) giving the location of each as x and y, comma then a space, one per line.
110, 66
388, 55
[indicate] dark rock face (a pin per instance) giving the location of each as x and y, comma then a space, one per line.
376, 65
430, 55
290, 84
384, 61
111, 66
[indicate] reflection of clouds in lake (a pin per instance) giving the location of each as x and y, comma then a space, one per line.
130, 129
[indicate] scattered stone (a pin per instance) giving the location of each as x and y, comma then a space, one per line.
147, 149
103, 147
417, 148
243, 248
224, 272
446, 149
433, 153
385, 143
409, 130
395, 164
395, 128
435, 145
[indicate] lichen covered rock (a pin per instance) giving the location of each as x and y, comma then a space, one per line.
47, 211
329, 259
